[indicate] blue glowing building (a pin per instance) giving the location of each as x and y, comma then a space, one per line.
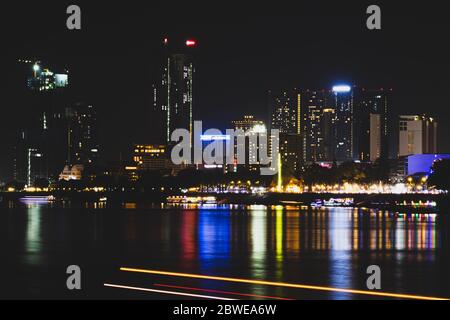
422, 163
343, 105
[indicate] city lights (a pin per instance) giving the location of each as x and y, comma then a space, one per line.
212, 159
341, 88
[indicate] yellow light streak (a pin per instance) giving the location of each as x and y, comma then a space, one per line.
284, 284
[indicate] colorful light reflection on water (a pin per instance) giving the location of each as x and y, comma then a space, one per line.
279, 244
329, 247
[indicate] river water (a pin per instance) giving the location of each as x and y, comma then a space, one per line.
323, 247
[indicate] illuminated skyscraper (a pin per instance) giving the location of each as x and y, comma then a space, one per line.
45, 94
252, 129
44, 79
82, 134
284, 111
314, 104
173, 91
370, 122
247, 123
291, 151
374, 137
343, 105
310, 115
328, 135
285, 114
344, 124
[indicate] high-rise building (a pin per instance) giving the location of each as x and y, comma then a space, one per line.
36, 166
248, 122
82, 134
328, 142
313, 133
374, 137
291, 152
417, 135
316, 125
370, 123
343, 105
150, 157
44, 79
285, 111
322, 117
219, 149
344, 124
44, 95
20, 158
173, 90
254, 130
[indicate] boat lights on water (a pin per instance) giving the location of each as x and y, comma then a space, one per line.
418, 204
36, 200
192, 199
334, 202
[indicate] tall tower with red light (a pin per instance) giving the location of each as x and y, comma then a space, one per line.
173, 90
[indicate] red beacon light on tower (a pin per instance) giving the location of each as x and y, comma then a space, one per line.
190, 43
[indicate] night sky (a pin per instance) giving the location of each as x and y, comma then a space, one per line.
242, 52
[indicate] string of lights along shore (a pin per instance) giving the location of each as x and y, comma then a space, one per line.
325, 126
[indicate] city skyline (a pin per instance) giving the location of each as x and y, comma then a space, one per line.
317, 123
235, 63
167, 150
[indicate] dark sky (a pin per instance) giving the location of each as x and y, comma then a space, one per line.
242, 52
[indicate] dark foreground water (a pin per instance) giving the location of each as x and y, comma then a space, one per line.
331, 247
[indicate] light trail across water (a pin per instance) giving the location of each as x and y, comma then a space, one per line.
283, 284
